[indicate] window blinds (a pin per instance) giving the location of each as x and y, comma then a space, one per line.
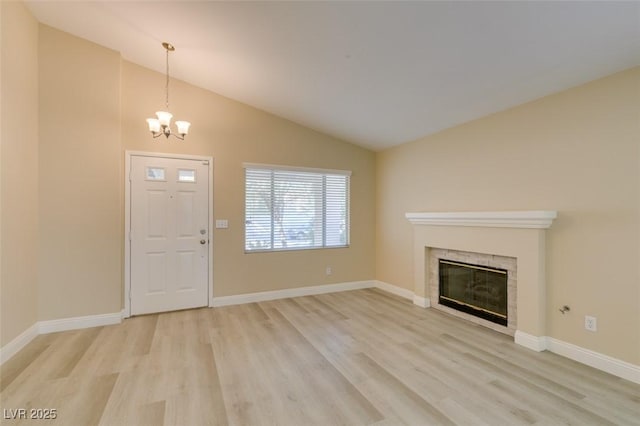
295, 208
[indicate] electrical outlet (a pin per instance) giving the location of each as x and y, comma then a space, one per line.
590, 323
328, 270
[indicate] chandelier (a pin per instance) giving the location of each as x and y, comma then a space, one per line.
162, 124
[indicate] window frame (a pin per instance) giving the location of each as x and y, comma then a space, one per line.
293, 169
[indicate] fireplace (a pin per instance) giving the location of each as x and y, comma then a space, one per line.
474, 289
508, 237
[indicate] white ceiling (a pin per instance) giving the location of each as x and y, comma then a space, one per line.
373, 73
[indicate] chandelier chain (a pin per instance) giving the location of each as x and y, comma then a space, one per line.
167, 82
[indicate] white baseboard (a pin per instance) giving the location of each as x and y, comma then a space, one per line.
611, 365
529, 341
320, 289
423, 302
394, 289
53, 326
76, 323
264, 296
588, 357
14, 346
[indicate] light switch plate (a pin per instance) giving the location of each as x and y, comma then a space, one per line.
222, 223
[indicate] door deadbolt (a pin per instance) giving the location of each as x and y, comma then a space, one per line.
203, 241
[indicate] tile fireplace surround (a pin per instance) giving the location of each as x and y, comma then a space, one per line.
517, 234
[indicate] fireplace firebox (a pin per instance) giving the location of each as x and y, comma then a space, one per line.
474, 289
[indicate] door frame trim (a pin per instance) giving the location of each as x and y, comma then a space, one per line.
127, 220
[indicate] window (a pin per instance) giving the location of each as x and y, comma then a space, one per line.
155, 173
295, 208
186, 175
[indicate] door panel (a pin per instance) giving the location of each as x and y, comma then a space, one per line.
157, 273
186, 260
185, 206
169, 234
157, 214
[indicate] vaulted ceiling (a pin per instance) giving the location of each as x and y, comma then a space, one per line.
373, 73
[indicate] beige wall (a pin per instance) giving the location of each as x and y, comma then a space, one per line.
18, 171
93, 107
80, 195
576, 152
64, 221
234, 133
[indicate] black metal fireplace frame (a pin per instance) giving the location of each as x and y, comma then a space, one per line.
463, 307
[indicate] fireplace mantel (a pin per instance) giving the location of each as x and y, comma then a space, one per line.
540, 219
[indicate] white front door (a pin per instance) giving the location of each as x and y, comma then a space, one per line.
169, 234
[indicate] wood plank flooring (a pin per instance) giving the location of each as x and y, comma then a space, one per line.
353, 358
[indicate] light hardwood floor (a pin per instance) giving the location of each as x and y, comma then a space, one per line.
352, 358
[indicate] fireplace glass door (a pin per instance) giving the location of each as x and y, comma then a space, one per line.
474, 289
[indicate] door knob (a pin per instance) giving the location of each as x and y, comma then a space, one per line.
203, 241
